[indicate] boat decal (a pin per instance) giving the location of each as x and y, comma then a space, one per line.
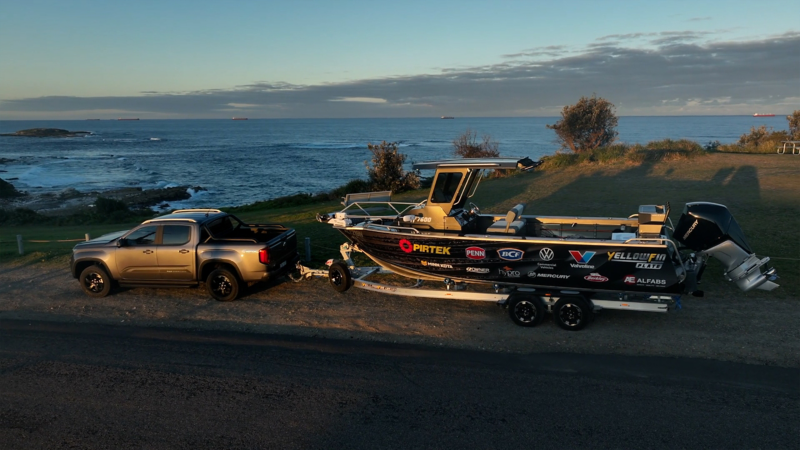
633, 280
406, 246
510, 254
435, 264
557, 276
546, 254
582, 258
509, 272
595, 277
435, 249
476, 253
478, 269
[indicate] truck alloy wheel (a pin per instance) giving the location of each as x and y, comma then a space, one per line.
95, 282
222, 285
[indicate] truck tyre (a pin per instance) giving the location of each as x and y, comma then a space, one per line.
222, 285
339, 276
95, 282
526, 310
572, 313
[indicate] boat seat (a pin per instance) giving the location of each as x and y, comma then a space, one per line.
511, 224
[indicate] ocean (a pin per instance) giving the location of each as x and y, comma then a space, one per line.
244, 161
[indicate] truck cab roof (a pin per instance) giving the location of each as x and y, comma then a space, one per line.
199, 216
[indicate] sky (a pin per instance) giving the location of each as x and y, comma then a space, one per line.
79, 59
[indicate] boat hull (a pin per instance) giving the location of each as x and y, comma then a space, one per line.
547, 263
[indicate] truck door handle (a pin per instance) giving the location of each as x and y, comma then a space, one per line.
184, 251
147, 252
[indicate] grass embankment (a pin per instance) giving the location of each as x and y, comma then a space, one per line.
761, 192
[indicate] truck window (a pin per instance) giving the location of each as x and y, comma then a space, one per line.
175, 234
143, 236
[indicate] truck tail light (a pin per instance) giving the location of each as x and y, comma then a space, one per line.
263, 256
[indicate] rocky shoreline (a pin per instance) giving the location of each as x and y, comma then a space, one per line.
71, 201
47, 132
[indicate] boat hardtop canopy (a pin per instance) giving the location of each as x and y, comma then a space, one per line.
477, 163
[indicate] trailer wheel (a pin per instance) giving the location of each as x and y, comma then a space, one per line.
339, 276
526, 310
572, 313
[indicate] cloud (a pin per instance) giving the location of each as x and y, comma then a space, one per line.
675, 72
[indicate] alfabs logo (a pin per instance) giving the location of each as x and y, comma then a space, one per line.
510, 254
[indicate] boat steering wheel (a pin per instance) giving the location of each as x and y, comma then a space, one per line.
473, 209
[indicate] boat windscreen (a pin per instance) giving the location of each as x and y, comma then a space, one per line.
446, 187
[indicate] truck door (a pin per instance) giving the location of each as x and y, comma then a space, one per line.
136, 258
176, 253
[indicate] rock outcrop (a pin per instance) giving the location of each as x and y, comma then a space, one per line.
47, 132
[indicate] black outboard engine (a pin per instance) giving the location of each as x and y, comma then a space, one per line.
711, 230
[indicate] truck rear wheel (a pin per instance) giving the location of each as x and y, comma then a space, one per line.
222, 285
572, 313
95, 282
339, 276
526, 310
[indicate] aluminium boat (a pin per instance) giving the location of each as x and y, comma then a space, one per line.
447, 238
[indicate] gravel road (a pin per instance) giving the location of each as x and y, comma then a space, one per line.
751, 329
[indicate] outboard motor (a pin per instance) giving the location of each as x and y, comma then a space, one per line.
710, 229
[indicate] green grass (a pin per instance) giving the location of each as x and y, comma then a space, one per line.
761, 191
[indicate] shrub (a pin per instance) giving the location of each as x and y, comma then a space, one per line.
386, 172
759, 140
7, 190
794, 125
655, 151
467, 146
586, 125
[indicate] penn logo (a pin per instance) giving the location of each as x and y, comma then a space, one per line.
476, 253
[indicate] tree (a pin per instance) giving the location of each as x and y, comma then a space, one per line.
386, 172
586, 125
467, 146
794, 125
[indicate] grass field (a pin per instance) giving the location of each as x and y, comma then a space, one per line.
761, 191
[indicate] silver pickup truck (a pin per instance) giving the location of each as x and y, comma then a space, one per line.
186, 248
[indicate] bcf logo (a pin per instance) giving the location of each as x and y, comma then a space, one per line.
510, 254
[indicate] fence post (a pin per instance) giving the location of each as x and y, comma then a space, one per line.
19, 244
308, 249
87, 236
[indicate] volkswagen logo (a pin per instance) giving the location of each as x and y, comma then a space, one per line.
546, 254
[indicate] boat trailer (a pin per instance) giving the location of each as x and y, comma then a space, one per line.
571, 309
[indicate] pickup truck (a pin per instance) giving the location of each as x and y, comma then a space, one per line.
186, 248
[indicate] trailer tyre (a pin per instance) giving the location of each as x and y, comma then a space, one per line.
526, 310
572, 313
339, 276
95, 282
222, 285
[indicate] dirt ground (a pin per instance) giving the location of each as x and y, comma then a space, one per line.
756, 330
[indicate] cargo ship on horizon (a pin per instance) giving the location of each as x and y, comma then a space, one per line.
763, 115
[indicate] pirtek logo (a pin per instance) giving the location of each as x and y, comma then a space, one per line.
476, 253
582, 258
636, 257
408, 247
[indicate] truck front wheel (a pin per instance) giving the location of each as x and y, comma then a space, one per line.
222, 285
95, 282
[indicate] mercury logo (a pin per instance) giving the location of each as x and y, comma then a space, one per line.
476, 253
